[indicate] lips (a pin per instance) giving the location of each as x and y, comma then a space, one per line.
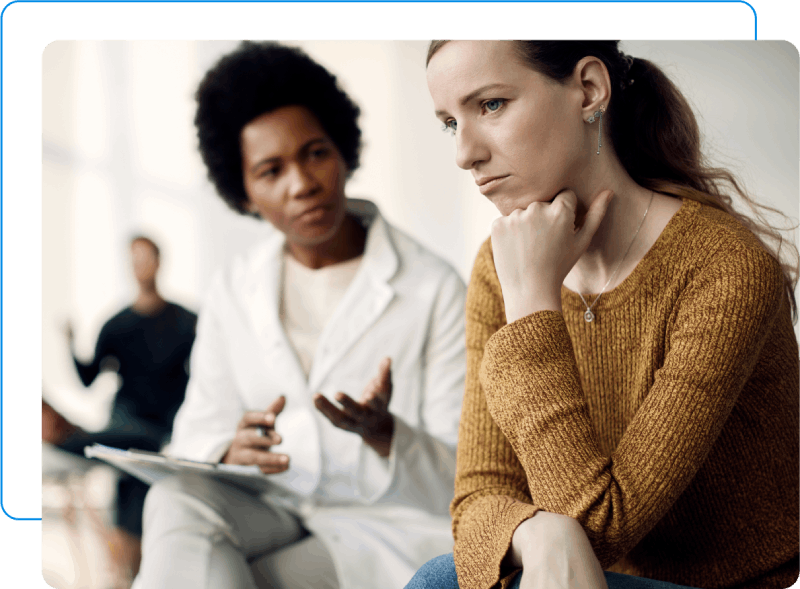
313, 213
487, 179
489, 183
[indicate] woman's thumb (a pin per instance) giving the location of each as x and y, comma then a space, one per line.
594, 216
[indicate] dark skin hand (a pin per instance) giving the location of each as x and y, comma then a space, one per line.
369, 417
249, 446
55, 429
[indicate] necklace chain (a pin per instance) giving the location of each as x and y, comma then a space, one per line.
589, 315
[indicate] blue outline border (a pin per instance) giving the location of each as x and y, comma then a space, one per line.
2, 14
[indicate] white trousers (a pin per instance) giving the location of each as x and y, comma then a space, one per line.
203, 534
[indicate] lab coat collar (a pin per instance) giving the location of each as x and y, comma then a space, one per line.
364, 301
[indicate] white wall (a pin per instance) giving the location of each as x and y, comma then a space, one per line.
119, 157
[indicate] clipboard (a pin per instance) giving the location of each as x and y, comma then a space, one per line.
150, 467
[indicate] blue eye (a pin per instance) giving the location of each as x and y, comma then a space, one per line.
494, 104
450, 125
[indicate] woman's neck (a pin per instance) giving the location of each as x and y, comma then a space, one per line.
625, 234
347, 243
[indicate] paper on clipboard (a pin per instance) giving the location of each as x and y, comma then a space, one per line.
150, 467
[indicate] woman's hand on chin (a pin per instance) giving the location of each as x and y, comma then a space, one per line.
535, 248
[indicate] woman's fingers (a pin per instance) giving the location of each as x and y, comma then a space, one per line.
269, 462
264, 418
378, 391
336, 416
354, 409
265, 438
277, 405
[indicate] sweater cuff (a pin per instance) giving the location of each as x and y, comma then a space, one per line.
483, 540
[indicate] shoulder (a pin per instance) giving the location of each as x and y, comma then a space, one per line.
185, 319
714, 239
718, 255
182, 311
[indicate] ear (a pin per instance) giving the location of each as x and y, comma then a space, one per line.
592, 76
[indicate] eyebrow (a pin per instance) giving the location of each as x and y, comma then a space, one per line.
471, 96
268, 160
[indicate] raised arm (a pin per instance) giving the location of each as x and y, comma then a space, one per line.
491, 490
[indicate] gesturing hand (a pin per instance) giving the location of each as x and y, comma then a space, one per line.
255, 435
369, 417
535, 248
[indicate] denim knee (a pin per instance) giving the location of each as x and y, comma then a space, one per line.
437, 573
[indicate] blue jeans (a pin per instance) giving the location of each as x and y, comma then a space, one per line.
440, 573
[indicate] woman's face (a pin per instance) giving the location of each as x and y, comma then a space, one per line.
520, 133
294, 175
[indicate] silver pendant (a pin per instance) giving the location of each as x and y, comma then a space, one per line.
589, 316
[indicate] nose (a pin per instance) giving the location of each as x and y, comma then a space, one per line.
471, 149
302, 182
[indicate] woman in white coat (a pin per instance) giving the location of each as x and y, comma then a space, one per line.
359, 489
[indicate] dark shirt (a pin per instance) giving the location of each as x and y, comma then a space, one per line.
151, 353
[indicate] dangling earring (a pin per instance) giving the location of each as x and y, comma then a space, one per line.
598, 114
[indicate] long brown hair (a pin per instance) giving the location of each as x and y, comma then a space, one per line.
656, 138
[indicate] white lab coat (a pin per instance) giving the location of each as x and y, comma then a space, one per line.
379, 518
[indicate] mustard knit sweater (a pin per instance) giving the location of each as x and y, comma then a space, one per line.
668, 426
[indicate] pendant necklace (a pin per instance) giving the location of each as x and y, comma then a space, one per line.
589, 315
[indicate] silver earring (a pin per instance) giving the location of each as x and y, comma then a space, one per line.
598, 114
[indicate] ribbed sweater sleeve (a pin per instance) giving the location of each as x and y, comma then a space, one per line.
491, 493
533, 393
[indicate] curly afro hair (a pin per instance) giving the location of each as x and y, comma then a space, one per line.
255, 79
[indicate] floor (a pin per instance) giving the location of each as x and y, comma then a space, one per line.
77, 512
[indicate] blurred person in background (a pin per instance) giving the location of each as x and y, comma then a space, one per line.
148, 345
334, 302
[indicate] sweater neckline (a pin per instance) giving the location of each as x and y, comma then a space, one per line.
673, 230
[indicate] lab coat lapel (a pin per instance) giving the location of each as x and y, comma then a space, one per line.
262, 301
365, 300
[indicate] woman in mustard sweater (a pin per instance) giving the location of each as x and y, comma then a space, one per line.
631, 398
